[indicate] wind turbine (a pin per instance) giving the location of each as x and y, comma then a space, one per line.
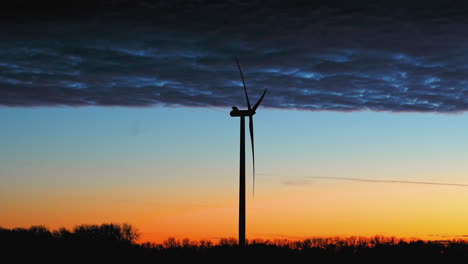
242, 114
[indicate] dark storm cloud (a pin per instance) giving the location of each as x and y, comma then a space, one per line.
369, 55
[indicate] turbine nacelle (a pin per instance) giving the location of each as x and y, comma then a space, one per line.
236, 112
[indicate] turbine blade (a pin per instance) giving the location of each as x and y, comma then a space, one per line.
253, 151
245, 88
259, 100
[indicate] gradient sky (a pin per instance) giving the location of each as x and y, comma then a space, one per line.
174, 171
119, 112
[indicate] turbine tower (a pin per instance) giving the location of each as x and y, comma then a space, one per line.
242, 114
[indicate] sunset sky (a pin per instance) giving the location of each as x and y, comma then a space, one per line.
120, 113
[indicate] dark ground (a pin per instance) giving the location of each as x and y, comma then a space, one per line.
115, 243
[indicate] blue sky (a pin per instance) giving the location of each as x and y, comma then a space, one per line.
54, 142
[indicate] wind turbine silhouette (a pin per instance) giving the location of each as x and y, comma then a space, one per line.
242, 114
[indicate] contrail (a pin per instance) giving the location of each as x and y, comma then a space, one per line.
391, 181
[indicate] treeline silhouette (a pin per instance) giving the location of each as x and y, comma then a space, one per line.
83, 243
118, 243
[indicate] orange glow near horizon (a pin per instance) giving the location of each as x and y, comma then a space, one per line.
295, 212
